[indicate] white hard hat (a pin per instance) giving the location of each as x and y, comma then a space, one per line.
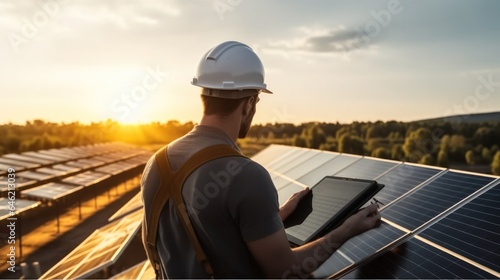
228, 67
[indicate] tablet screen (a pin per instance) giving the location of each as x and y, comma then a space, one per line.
329, 202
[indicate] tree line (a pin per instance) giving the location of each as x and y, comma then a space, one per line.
432, 143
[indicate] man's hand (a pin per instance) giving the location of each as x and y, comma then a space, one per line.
365, 219
289, 206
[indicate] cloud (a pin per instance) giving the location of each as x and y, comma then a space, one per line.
320, 40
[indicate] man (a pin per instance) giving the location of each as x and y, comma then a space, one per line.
231, 201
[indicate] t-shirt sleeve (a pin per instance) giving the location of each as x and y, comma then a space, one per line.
253, 203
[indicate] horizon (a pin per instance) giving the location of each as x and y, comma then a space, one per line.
86, 62
253, 123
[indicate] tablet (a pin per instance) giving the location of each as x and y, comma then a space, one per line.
326, 206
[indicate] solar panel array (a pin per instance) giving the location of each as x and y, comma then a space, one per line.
437, 223
48, 175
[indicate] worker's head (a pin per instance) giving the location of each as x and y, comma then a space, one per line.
231, 76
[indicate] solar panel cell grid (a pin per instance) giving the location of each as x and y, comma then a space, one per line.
20, 182
28, 159
297, 161
359, 248
366, 168
86, 179
15, 163
416, 260
269, 154
51, 191
402, 179
433, 198
35, 175
329, 168
99, 250
473, 230
291, 157
309, 165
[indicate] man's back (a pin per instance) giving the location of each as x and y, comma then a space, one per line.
230, 201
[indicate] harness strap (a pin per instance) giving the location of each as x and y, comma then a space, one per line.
171, 184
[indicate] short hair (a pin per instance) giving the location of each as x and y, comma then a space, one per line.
222, 106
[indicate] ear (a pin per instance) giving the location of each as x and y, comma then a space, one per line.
248, 105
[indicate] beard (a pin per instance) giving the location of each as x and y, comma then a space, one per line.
244, 127
246, 123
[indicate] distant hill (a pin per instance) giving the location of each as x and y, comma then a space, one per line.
492, 117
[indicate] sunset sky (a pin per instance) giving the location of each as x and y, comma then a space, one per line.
345, 61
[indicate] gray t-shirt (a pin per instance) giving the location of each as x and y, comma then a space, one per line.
230, 201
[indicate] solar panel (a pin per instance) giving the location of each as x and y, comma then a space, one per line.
53, 158
457, 226
415, 259
473, 230
286, 158
367, 168
115, 168
50, 191
51, 171
21, 205
433, 198
402, 179
5, 167
28, 159
310, 164
35, 175
86, 179
20, 183
329, 168
270, 153
358, 248
142, 270
134, 204
14, 163
280, 180
296, 161
66, 168
100, 250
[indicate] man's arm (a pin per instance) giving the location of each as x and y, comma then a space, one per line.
278, 260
